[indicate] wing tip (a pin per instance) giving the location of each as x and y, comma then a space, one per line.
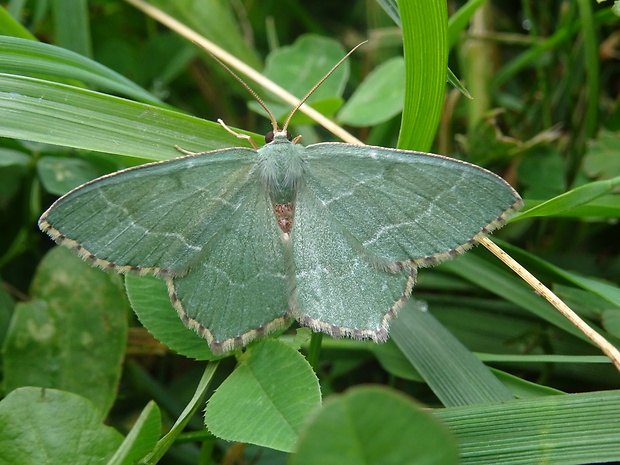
436, 259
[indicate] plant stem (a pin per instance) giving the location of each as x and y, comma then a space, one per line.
164, 443
314, 350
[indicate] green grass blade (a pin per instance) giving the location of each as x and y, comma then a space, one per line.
425, 46
166, 442
36, 59
592, 68
141, 438
454, 374
71, 24
606, 291
460, 19
10, 27
504, 283
561, 430
535, 52
43, 111
564, 203
454, 81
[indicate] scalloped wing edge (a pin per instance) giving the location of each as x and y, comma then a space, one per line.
227, 345
380, 335
433, 260
90, 257
222, 347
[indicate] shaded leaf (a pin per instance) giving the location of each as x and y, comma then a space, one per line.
602, 161
73, 335
60, 175
149, 299
47, 426
374, 426
379, 97
315, 55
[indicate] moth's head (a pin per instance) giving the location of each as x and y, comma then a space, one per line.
278, 135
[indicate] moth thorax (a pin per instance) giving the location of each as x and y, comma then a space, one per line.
280, 168
284, 215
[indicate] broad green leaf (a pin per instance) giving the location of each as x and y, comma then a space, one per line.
554, 430
267, 398
60, 175
541, 171
149, 299
39, 60
374, 426
379, 97
72, 335
454, 374
13, 158
141, 439
13, 166
315, 55
47, 426
603, 157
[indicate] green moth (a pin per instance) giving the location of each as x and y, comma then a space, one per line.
330, 235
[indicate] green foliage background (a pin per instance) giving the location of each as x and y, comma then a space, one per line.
83, 381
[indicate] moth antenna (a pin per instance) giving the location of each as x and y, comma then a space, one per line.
274, 122
303, 100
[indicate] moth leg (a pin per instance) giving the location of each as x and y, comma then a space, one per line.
236, 134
